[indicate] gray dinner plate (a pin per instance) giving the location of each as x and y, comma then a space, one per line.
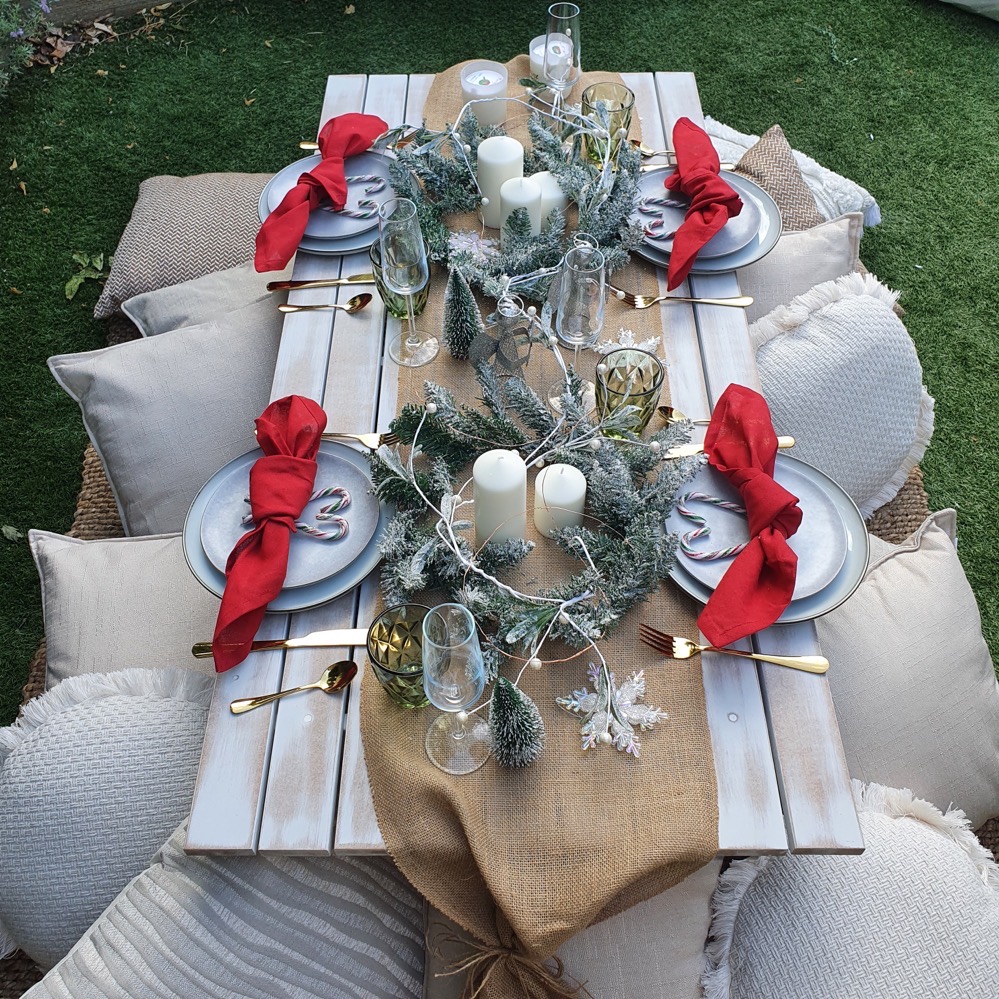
738, 232
845, 582
819, 542
757, 248
291, 598
309, 559
325, 223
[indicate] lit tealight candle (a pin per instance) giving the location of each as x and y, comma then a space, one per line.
481, 80
552, 196
559, 497
499, 488
520, 192
500, 159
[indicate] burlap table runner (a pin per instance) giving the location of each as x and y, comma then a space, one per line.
525, 859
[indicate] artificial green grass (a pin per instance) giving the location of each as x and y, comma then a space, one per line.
898, 95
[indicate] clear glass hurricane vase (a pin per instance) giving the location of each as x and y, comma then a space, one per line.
405, 271
561, 67
454, 676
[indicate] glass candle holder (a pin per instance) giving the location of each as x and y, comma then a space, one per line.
617, 102
395, 651
629, 383
395, 304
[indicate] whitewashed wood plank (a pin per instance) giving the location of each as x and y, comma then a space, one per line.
812, 768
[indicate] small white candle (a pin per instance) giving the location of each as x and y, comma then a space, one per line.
520, 192
552, 195
499, 488
537, 56
500, 159
483, 79
559, 497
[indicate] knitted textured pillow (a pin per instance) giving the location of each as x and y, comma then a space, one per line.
93, 777
916, 915
770, 164
251, 928
181, 228
841, 375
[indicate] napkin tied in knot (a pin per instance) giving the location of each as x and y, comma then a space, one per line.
282, 231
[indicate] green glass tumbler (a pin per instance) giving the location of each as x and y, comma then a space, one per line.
629, 383
618, 102
395, 304
395, 651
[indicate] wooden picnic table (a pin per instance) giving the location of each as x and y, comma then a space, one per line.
291, 778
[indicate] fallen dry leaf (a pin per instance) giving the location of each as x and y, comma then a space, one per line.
46, 211
102, 72
249, 102
349, 9
13, 165
23, 187
129, 145
47, 147
267, 42
15, 291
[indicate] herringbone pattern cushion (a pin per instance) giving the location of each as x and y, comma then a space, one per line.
181, 228
916, 916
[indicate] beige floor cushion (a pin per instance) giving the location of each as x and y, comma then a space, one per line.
250, 928
911, 676
840, 374
916, 916
93, 776
166, 412
181, 228
119, 602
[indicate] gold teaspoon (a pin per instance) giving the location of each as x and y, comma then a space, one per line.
671, 415
334, 678
353, 305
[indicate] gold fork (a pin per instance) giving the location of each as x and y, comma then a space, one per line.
674, 647
646, 301
373, 441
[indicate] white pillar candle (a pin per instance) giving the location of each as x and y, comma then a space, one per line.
483, 79
552, 196
520, 192
500, 158
537, 56
499, 488
559, 497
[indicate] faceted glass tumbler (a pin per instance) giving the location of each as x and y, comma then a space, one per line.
395, 651
617, 102
633, 378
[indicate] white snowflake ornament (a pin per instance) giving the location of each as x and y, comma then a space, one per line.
481, 248
611, 713
626, 338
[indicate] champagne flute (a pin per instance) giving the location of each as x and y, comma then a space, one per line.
405, 271
454, 676
560, 67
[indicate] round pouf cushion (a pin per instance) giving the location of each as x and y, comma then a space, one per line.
840, 373
94, 776
916, 915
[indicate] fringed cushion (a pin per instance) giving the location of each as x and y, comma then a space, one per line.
253, 928
916, 915
94, 775
841, 375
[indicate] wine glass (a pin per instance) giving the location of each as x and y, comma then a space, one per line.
454, 676
405, 271
560, 67
580, 317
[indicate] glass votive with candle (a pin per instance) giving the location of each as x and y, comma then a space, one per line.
629, 383
483, 80
499, 488
520, 192
499, 159
536, 53
559, 498
618, 102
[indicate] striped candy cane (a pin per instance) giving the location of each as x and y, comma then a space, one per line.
340, 496
702, 530
654, 206
652, 230
335, 530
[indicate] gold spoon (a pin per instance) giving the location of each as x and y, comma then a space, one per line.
353, 305
671, 415
335, 678
648, 152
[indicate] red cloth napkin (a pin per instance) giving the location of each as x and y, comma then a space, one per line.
289, 433
758, 585
712, 201
282, 231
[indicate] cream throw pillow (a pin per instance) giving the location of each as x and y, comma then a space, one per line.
165, 413
911, 676
915, 916
93, 776
120, 602
840, 374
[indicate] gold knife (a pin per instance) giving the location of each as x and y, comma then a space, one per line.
690, 450
328, 283
337, 638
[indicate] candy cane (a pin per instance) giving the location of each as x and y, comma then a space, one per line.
365, 210
651, 230
372, 180
341, 500
654, 206
338, 525
703, 530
